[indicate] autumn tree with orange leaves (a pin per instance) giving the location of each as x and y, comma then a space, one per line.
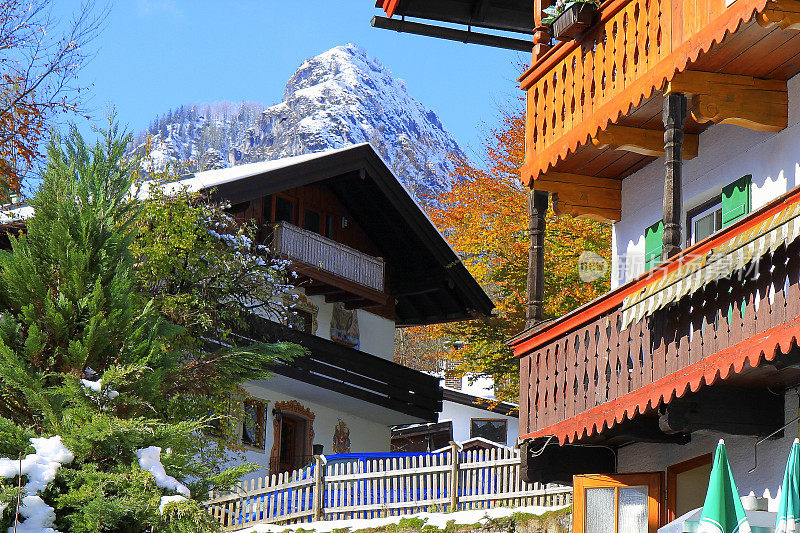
39, 59
484, 217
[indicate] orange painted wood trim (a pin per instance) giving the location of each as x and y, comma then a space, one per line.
718, 367
636, 90
654, 481
562, 49
525, 344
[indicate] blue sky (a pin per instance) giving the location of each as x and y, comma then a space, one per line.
157, 54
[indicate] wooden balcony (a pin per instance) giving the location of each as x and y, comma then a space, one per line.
720, 322
326, 267
594, 104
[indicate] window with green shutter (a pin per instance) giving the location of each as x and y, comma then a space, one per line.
736, 200
653, 244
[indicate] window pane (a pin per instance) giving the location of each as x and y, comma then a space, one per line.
330, 226
253, 424
301, 320
633, 509
600, 511
493, 430
284, 209
703, 227
312, 221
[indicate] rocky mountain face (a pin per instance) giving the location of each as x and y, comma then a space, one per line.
338, 98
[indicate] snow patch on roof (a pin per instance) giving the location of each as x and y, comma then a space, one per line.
213, 178
16, 214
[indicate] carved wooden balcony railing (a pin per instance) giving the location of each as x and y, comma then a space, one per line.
597, 367
603, 91
328, 255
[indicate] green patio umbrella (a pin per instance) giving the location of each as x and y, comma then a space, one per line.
722, 511
789, 504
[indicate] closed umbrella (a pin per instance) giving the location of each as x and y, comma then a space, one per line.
722, 510
789, 505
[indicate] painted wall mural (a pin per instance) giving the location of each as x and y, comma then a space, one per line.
341, 438
344, 325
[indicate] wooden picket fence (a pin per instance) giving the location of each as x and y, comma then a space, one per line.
370, 488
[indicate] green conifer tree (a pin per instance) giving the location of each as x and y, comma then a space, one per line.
85, 356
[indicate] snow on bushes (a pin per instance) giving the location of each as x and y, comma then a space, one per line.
97, 386
150, 461
40, 468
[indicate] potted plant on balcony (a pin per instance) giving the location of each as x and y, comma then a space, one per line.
570, 18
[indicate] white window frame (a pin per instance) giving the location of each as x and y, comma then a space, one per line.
717, 206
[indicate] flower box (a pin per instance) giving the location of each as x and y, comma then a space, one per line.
574, 21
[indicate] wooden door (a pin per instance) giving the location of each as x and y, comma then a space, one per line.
617, 503
290, 435
687, 484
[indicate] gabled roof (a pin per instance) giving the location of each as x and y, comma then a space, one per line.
425, 275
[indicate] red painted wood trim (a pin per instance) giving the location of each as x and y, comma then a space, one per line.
525, 344
389, 6
718, 367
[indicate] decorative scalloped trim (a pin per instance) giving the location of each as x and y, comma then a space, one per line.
732, 360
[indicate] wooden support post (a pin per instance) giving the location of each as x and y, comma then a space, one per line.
537, 210
541, 31
319, 488
674, 117
454, 461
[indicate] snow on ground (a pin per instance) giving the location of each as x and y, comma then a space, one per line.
437, 520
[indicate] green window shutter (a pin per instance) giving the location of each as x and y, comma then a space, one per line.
653, 244
736, 200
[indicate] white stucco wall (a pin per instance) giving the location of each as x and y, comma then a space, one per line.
376, 333
764, 481
726, 153
462, 415
365, 435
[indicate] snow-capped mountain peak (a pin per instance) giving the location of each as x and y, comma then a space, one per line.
335, 99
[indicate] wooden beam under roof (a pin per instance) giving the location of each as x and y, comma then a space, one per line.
642, 141
784, 13
583, 196
754, 103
